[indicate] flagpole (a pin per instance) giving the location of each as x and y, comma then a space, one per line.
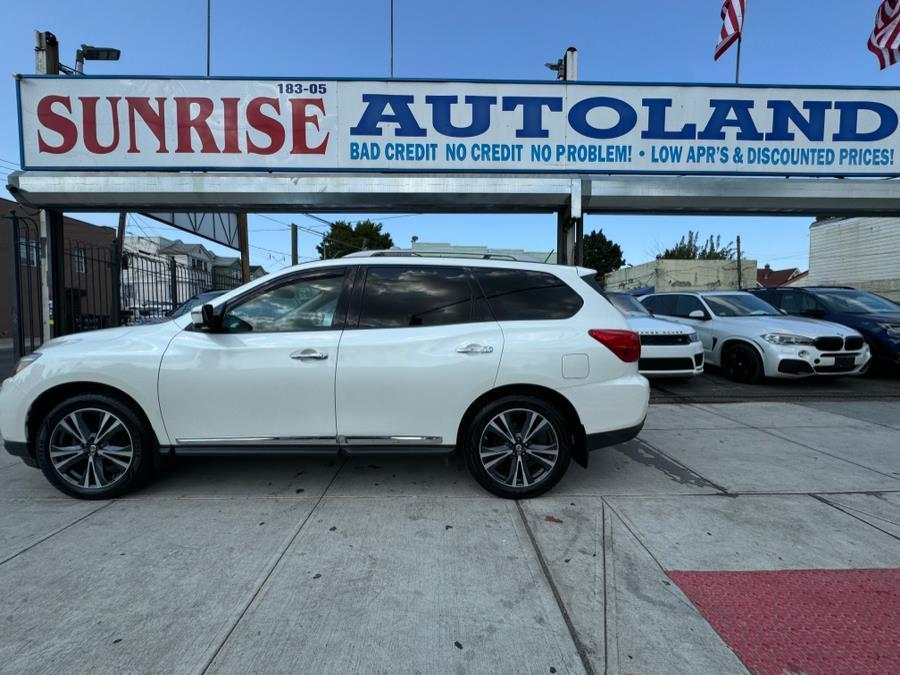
737, 70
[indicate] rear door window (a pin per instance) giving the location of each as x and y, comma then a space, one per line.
403, 296
660, 304
526, 295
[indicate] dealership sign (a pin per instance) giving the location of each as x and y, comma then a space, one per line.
159, 124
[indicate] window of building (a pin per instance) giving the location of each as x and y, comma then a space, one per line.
80, 261
29, 252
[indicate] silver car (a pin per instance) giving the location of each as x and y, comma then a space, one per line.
749, 339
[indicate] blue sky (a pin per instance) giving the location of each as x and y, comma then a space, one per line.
795, 42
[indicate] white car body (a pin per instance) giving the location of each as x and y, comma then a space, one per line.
398, 389
841, 357
668, 349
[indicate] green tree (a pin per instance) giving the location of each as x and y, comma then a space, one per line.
690, 248
344, 238
602, 254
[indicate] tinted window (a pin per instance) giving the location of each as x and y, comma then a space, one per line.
685, 304
522, 295
627, 304
415, 296
794, 302
303, 304
660, 304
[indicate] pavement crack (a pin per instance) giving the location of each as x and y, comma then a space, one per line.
579, 646
685, 469
56, 531
848, 512
273, 565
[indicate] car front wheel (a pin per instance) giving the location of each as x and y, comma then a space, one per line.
518, 447
94, 447
742, 363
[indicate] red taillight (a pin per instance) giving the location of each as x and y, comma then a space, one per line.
623, 343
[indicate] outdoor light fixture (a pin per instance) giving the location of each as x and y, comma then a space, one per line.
91, 53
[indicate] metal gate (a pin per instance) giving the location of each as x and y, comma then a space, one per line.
102, 288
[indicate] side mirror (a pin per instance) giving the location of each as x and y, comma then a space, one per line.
203, 317
698, 314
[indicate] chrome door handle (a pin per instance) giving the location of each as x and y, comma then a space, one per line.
309, 355
475, 349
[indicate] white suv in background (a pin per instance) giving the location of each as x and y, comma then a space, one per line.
668, 348
521, 366
749, 339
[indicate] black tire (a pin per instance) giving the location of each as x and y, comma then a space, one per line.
742, 363
530, 461
107, 477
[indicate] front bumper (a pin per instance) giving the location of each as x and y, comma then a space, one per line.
795, 361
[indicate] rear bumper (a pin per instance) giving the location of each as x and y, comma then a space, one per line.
20, 450
606, 438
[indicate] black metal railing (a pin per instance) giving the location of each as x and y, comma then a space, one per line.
103, 288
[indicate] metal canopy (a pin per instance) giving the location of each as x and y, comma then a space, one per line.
454, 192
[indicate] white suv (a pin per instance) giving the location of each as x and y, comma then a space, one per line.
522, 366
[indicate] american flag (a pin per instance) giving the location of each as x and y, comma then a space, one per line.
732, 24
885, 39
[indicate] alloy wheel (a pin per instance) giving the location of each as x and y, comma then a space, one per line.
518, 448
741, 364
91, 448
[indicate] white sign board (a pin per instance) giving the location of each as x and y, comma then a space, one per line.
159, 124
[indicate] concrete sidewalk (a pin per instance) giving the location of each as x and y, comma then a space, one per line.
406, 565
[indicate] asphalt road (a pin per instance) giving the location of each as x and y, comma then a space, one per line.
713, 387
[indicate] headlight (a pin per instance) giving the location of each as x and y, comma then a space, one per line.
26, 361
892, 329
693, 336
787, 339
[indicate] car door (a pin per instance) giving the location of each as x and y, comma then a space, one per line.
684, 306
419, 347
266, 378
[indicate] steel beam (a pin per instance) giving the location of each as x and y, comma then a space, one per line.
449, 193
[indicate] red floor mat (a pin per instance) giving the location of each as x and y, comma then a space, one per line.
805, 621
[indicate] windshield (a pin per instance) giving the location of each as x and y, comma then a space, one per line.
739, 304
627, 304
857, 302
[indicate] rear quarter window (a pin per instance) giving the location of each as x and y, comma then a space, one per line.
526, 295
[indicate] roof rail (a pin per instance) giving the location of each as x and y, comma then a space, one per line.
411, 253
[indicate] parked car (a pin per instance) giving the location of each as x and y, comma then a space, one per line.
521, 366
750, 339
875, 317
668, 348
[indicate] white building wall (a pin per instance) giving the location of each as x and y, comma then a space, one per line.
859, 252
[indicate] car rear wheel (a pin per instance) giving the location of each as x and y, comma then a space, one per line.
742, 363
518, 447
94, 447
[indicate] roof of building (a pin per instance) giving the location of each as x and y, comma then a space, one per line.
769, 278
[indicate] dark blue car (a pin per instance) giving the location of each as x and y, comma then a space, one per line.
875, 317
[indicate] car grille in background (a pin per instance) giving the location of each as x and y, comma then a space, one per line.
829, 344
665, 364
698, 360
851, 344
657, 340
